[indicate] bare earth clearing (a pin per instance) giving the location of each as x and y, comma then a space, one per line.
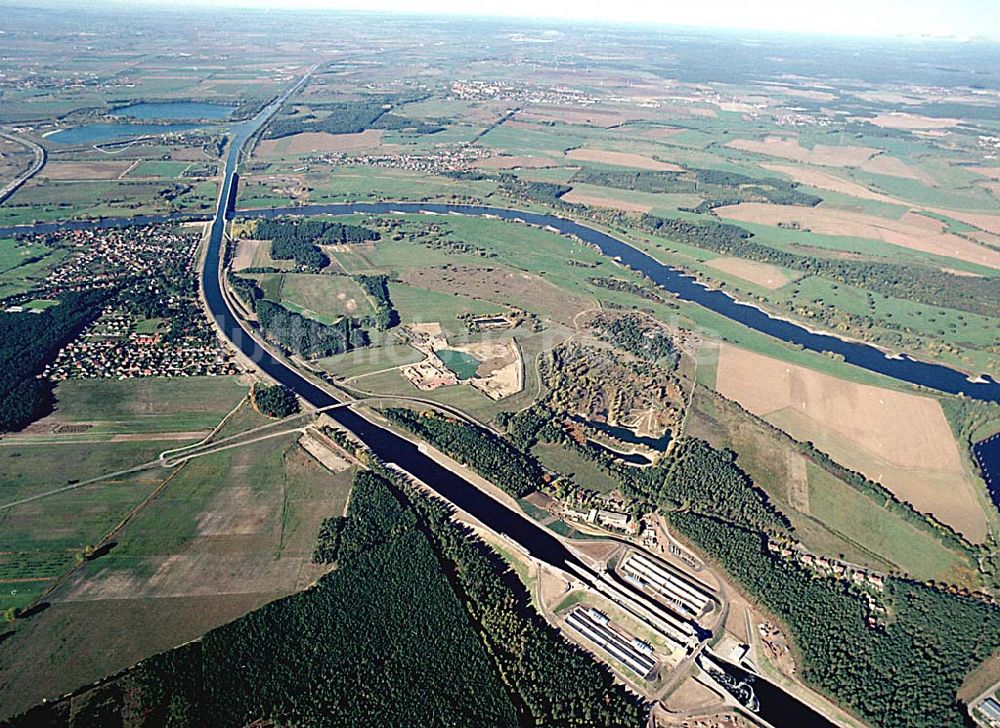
576, 197
903, 233
621, 159
869, 159
900, 440
85, 170
827, 181
761, 274
319, 141
898, 120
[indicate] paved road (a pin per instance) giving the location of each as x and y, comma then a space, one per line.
36, 164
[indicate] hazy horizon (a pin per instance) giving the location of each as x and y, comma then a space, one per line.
960, 20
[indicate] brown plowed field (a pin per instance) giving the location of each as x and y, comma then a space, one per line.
900, 440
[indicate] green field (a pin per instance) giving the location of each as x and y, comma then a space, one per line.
147, 405
159, 168
573, 465
321, 296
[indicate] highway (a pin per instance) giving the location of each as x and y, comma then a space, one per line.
36, 164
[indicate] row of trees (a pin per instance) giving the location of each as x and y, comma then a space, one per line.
307, 336
274, 400
903, 673
30, 341
491, 456
377, 288
928, 285
716, 186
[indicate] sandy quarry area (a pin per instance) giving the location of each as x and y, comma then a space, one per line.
900, 440
621, 159
761, 274
905, 233
319, 141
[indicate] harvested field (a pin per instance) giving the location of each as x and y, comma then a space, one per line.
318, 141
828, 181
663, 132
822, 155
85, 170
898, 120
883, 164
989, 172
900, 440
905, 234
246, 251
576, 197
513, 162
761, 274
621, 159
501, 287
575, 115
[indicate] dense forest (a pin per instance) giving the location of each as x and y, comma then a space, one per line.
717, 187
632, 333
347, 117
307, 336
489, 455
29, 341
377, 288
704, 480
298, 240
274, 400
930, 286
384, 635
903, 672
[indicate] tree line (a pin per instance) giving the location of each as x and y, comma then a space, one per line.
307, 336
377, 288
925, 285
29, 341
494, 458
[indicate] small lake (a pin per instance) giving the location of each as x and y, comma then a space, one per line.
632, 458
175, 111
102, 133
626, 435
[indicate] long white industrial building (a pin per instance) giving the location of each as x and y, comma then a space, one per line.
685, 595
592, 624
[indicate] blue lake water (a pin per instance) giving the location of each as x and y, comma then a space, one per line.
626, 435
101, 133
175, 111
